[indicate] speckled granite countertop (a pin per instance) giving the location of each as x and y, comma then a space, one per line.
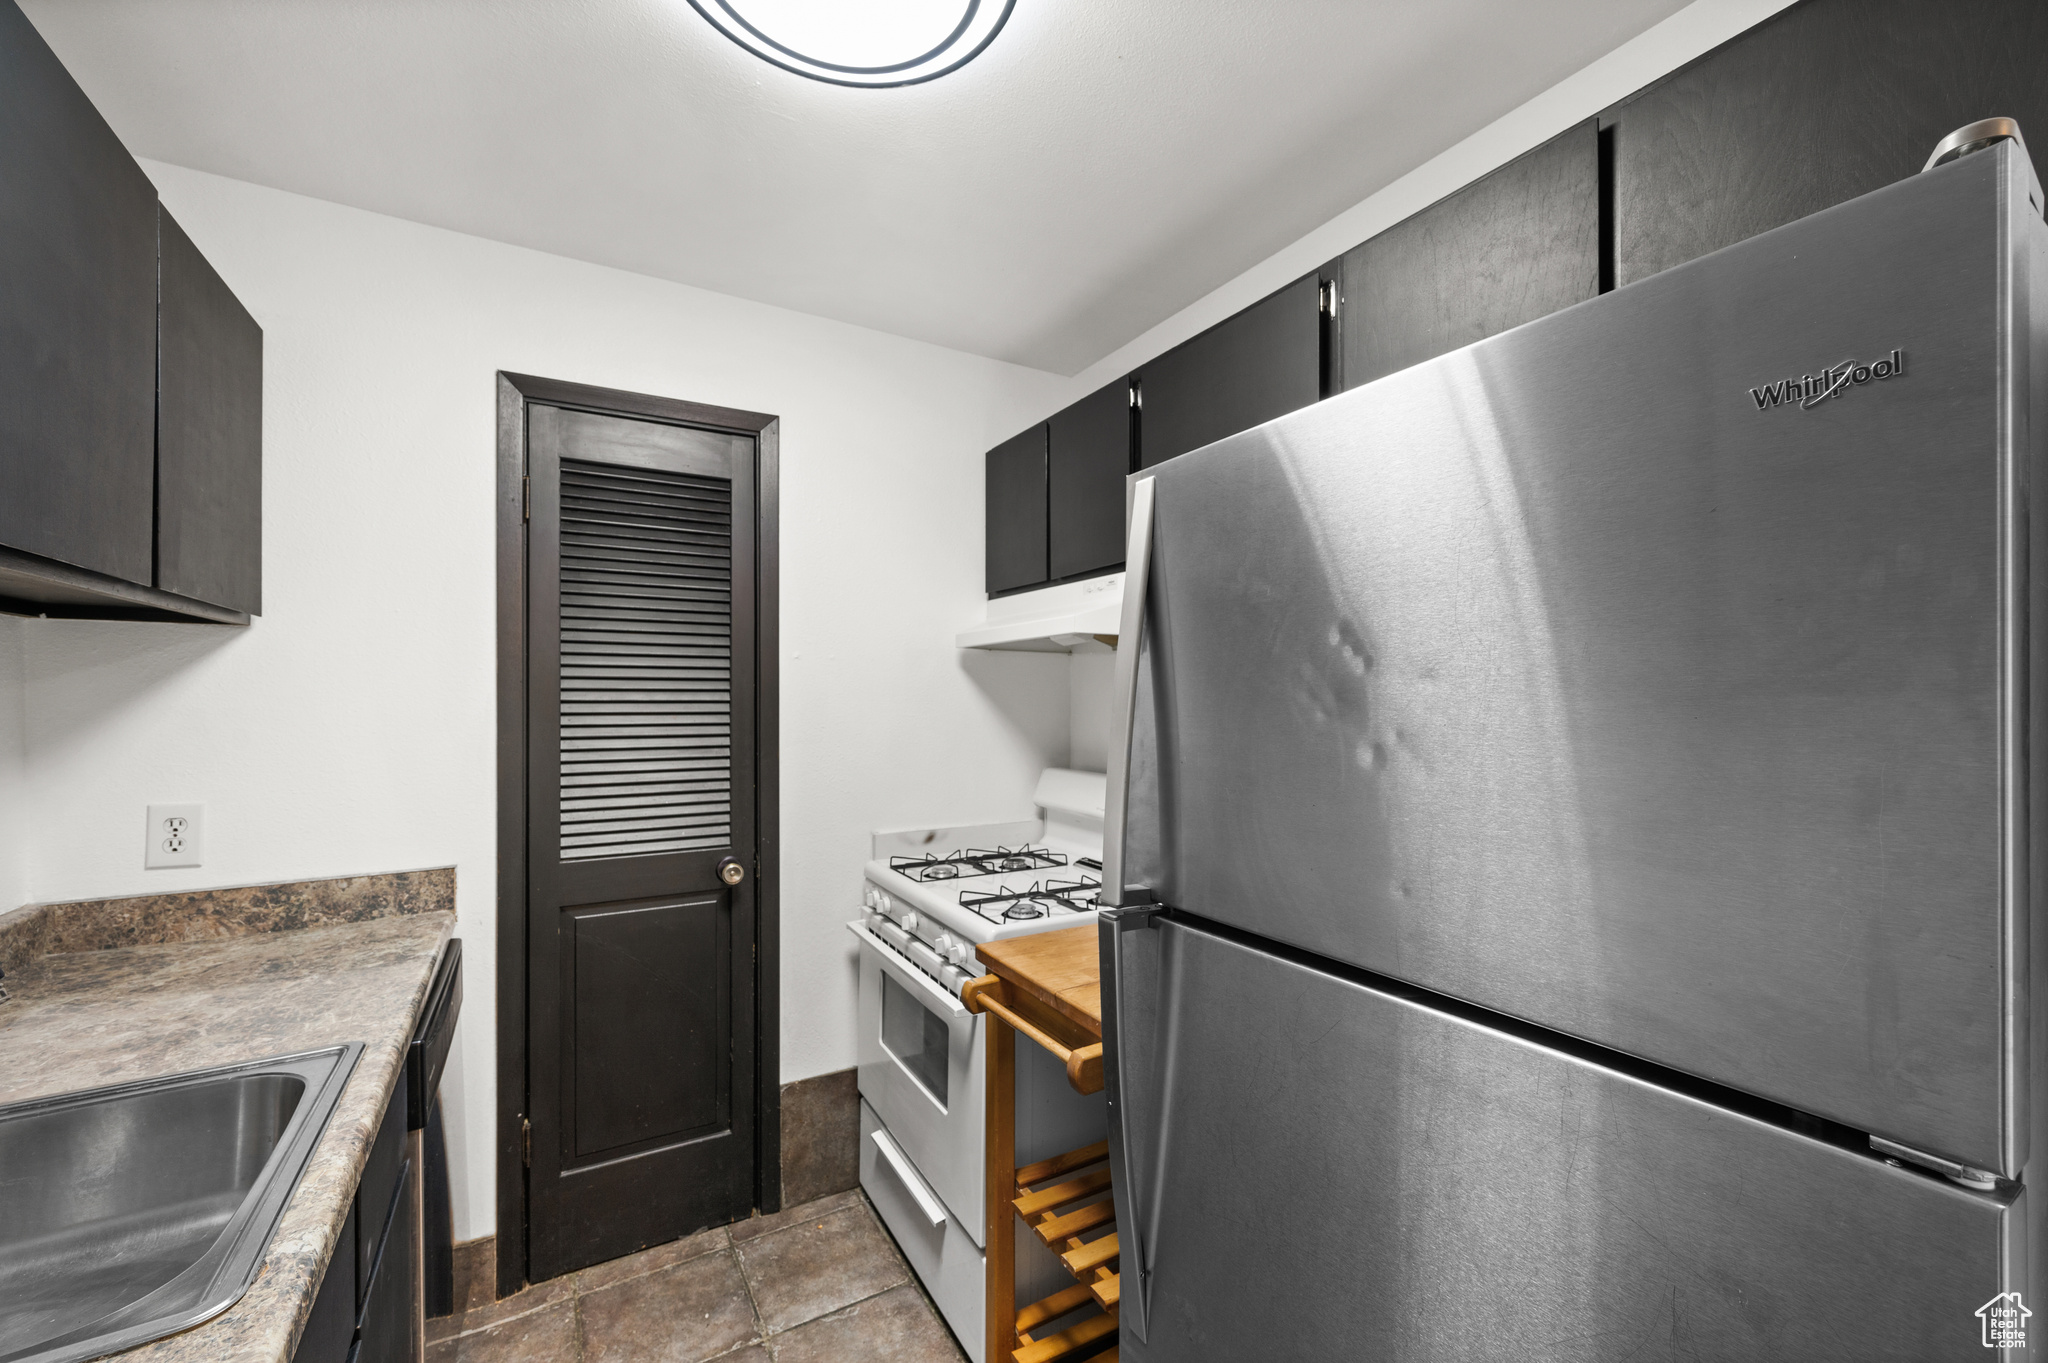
89, 1018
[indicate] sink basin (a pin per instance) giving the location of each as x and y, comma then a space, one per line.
132, 1212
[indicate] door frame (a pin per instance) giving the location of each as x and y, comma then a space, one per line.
515, 391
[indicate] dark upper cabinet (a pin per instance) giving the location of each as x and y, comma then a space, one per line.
209, 435
1014, 499
1088, 456
1823, 102
1519, 244
77, 322
1264, 362
131, 409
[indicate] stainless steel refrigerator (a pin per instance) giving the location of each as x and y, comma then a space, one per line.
1571, 818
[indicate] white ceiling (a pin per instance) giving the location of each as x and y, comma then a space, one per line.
1103, 164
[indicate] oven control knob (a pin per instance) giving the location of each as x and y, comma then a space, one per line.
909, 922
960, 953
943, 944
882, 900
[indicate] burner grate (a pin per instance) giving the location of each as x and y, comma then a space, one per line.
976, 861
1039, 901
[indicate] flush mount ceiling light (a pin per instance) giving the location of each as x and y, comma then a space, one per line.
861, 42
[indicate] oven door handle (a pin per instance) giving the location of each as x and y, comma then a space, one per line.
1124, 698
927, 1202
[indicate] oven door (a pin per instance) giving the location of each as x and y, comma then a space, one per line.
921, 1070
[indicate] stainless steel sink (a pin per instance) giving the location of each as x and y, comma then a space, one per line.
132, 1212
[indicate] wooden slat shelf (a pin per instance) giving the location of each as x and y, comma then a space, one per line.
1063, 1199
1063, 1164
1060, 1303
1067, 1342
1073, 1190
1055, 1229
1084, 1261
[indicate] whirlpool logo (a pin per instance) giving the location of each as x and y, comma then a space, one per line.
1810, 390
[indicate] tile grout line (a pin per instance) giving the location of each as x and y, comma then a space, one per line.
747, 1286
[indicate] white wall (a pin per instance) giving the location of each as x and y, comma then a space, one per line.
351, 728
1088, 682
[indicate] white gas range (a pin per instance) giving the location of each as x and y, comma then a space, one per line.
1001, 880
930, 897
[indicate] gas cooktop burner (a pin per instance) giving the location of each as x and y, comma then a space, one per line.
1040, 901
977, 861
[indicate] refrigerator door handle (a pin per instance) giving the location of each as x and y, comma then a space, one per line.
1137, 1259
1124, 697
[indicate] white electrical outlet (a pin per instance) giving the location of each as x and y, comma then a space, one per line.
177, 836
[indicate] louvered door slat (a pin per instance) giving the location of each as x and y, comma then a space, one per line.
646, 662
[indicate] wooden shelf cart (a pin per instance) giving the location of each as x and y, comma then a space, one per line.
1048, 987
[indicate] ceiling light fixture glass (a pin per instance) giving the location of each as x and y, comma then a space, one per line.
851, 42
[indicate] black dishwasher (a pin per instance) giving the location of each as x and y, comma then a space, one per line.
423, 1066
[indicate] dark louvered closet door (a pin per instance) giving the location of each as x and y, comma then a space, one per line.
641, 754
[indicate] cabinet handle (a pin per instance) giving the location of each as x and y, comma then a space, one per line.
1124, 693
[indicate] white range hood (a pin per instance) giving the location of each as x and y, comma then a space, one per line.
1052, 619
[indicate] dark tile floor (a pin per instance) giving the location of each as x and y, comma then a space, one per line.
818, 1282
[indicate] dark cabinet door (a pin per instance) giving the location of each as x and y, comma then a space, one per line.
209, 434
77, 322
387, 1329
377, 1190
331, 1324
1015, 506
1823, 102
1264, 362
1516, 245
1088, 456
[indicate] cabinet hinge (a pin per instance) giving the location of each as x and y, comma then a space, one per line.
526, 499
526, 1142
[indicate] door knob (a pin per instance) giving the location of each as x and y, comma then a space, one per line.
731, 872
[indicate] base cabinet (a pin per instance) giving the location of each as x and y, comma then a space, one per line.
389, 1329
368, 1309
